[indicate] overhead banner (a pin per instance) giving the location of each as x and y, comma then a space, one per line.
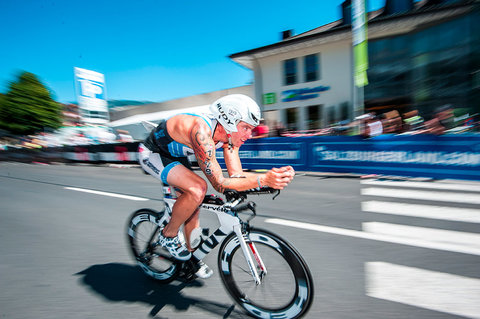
360, 48
91, 94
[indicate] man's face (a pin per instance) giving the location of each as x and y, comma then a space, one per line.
244, 132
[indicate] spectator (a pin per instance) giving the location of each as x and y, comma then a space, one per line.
445, 115
392, 122
434, 126
261, 130
412, 121
124, 136
359, 124
278, 129
374, 127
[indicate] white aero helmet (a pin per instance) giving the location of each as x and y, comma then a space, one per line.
233, 108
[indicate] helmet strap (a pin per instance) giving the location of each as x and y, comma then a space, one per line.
230, 144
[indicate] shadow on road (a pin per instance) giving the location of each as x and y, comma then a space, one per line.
122, 282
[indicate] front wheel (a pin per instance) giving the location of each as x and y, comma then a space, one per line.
143, 229
286, 288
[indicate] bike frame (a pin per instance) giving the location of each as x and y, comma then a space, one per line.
229, 222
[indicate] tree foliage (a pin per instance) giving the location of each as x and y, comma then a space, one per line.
28, 107
2, 99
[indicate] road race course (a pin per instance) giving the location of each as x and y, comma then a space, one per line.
376, 248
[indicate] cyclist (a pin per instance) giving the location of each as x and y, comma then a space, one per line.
164, 155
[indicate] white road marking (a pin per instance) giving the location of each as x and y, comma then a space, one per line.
445, 186
106, 194
422, 195
379, 237
422, 233
427, 289
425, 211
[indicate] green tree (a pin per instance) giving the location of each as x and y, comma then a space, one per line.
2, 99
28, 107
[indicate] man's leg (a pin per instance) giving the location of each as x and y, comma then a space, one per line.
190, 224
191, 187
185, 210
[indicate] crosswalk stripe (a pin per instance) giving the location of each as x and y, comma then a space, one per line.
427, 289
423, 233
422, 195
425, 211
379, 237
444, 186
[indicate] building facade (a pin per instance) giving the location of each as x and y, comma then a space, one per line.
422, 55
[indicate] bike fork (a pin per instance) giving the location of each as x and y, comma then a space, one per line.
249, 250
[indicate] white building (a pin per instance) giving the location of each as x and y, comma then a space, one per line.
312, 100
306, 80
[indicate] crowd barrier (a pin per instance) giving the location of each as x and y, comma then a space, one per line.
446, 156
125, 153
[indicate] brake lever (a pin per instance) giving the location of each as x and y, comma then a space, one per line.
278, 193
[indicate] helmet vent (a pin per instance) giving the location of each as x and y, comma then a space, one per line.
254, 117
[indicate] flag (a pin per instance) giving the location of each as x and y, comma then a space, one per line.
360, 48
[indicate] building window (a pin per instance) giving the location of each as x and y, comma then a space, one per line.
314, 118
331, 115
311, 67
344, 111
290, 71
292, 118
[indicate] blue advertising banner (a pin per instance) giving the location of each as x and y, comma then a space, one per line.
422, 155
447, 156
266, 153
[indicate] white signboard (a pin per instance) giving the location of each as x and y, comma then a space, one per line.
90, 86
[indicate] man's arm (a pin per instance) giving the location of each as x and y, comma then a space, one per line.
232, 161
234, 165
204, 149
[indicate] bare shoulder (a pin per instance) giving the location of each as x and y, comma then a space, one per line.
180, 127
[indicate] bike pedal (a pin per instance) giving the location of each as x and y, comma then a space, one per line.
187, 274
187, 277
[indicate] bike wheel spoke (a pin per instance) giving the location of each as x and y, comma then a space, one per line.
143, 233
243, 269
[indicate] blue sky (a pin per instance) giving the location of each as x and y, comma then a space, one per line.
152, 50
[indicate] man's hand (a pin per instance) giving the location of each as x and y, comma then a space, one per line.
278, 178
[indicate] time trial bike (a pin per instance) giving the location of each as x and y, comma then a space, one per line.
263, 273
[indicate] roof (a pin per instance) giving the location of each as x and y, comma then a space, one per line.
380, 24
157, 116
177, 104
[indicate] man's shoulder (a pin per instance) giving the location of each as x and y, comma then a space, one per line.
187, 119
201, 122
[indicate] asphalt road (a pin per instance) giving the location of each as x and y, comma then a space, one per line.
376, 249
